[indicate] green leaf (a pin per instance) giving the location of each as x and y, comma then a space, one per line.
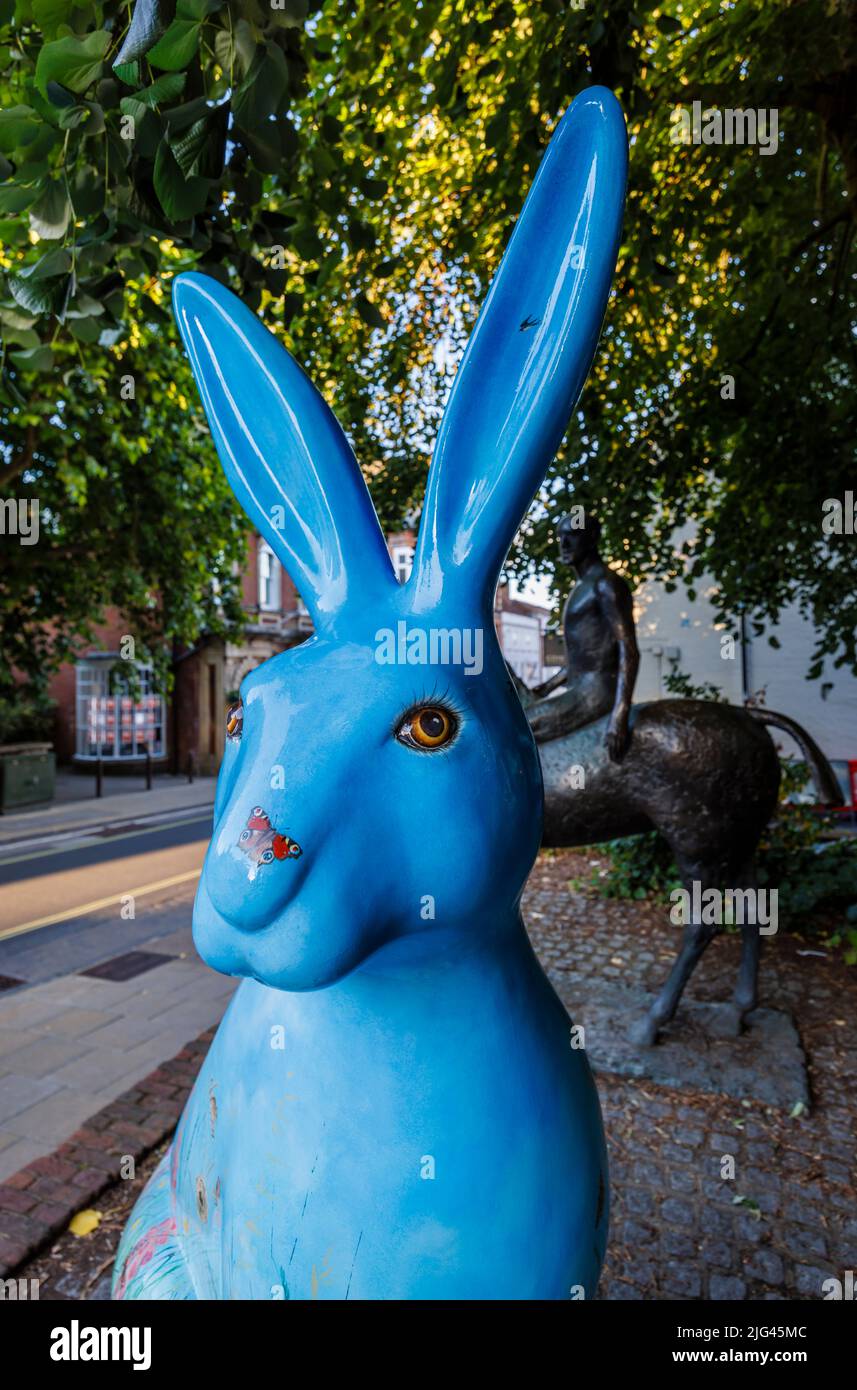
180, 117
13, 198
244, 45
85, 330
292, 303
34, 359
223, 50
24, 337
374, 188
36, 298
50, 15
128, 73
8, 387
197, 9
74, 116
13, 232
165, 88
11, 319
263, 146
50, 216
275, 279
19, 126
179, 196
190, 145
54, 262
307, 243
261, 93
369, 312
83, 306
290, 13
177, 47
58, 96
73, 62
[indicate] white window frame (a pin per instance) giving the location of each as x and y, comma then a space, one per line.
403, 562
111, 724
269, 589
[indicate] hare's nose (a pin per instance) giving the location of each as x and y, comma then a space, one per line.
251, 874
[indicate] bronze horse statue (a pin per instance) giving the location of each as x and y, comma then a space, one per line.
704, 774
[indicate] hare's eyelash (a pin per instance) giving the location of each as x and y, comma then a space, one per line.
434, 696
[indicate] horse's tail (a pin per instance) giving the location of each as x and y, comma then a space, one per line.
827, 787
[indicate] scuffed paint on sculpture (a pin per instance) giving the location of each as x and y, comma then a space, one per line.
402, 1111
149, 1263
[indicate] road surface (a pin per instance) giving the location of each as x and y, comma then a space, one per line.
64, 907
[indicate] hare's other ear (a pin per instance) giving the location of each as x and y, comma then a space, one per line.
285, 456
528, 356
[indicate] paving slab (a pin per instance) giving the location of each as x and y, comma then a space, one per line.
58, 1113
42, 1057
766, 1063
88, 815
19, 1093
70, 1045
12, 1038
77, 1023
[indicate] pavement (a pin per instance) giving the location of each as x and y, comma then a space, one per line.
82, 891
77, 811
715, 1194
70, 1046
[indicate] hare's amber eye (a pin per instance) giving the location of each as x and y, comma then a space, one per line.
428, 727
234, 720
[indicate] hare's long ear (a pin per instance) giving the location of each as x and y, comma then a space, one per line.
528, 356
285, 456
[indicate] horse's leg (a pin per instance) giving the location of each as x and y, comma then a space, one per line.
697, 935
745, 998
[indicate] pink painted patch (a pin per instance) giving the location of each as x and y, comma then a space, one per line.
148, 1244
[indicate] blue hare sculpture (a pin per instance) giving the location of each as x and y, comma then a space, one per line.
393, 1107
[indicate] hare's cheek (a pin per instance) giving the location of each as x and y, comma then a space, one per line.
226, 779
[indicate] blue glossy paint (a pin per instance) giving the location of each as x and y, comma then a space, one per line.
392, 1107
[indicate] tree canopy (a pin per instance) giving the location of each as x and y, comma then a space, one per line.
353, 170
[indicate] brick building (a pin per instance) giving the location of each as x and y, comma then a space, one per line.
94, 717
521, 625
97, 718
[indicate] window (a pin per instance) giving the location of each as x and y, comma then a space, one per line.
269, 579
110, 723
403, 562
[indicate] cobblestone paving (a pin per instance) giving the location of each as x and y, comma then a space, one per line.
788, 1219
